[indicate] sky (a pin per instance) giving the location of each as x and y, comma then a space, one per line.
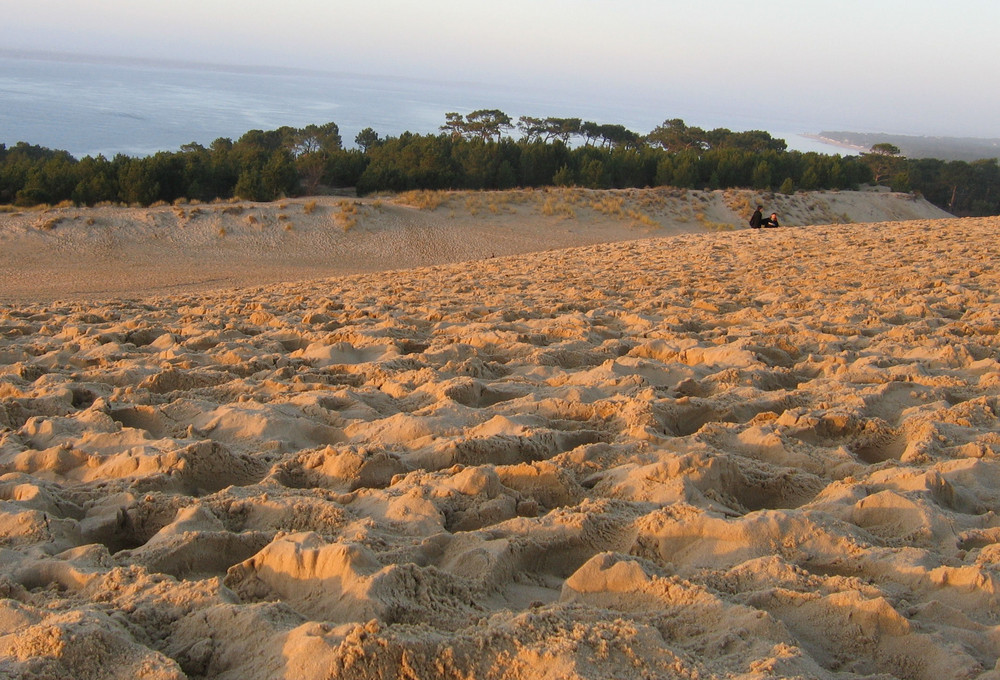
899, 66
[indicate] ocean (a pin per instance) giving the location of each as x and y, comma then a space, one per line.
91, 105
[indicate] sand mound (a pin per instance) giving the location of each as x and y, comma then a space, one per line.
734, 455
111, 251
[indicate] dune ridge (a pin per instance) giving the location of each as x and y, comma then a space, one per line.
114, 251
728, 455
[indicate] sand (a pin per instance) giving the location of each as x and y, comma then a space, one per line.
738, 454
92, 253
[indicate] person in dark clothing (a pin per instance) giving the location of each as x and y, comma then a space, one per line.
757, 219
772, 221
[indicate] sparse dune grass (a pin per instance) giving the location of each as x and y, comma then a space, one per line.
717, 226
652, 199
347, 218
422, 199
641, 218
492, 202
612, 205
50, 223
554, 206
742, 203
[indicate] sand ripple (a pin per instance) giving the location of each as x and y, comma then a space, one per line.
742, 455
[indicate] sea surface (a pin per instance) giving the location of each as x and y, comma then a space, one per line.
91, 105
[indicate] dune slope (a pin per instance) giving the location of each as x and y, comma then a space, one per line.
114, 251
732, 455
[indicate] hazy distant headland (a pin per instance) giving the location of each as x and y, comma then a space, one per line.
911, 146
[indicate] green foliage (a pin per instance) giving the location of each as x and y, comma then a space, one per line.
664, 171
483, 124
761, 178
548, 129
686, 173
323, 139
344, 168
474, 152
884, 161
564, 177
367, 139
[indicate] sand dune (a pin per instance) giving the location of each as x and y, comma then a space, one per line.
726, 455
111, 251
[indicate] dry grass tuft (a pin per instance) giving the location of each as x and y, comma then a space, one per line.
610, 205
347, 218
422, 199
743, 203
554, 206
641, 218
718, 226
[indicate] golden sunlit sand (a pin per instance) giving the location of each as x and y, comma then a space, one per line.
726, 454
113, 251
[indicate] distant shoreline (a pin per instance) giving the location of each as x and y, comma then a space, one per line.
834, 142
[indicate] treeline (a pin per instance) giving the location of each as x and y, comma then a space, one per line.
259, 166
960, 187
479, 151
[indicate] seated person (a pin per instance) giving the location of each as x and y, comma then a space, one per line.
772, 221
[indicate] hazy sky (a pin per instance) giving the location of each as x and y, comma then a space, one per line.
906, 66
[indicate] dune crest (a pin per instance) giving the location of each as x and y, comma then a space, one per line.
742, 454
114, 251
